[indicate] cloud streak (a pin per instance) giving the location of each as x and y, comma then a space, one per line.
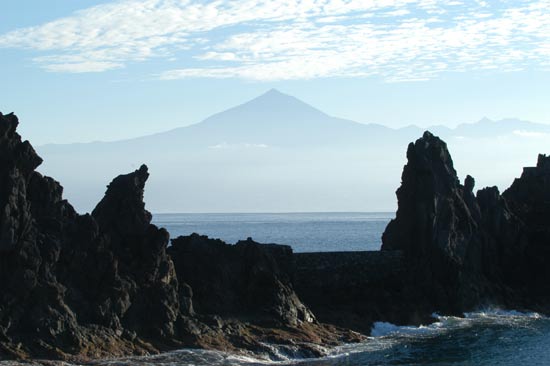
397, 40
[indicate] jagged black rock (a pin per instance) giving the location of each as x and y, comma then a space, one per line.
104, 285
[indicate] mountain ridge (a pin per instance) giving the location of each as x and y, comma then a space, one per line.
289, 158
278, 103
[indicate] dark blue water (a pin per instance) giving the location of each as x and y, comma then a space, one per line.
305, 232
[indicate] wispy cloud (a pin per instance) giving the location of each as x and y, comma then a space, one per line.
295, 39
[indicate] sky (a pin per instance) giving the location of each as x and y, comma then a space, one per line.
87, 70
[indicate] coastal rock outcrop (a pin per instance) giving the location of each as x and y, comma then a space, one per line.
105, 284
72, 283
437, 227
248, 280
463, 251
145, 272
31, 299
448, 250
529, 198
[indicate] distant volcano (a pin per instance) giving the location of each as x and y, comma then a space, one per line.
277, 153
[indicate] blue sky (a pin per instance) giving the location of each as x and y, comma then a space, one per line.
84, 70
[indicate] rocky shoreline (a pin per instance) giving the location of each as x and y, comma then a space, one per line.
108, 284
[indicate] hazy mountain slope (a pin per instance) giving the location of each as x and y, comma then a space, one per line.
271, 119
489, 128
276, 153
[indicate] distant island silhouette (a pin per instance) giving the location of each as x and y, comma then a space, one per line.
260, 149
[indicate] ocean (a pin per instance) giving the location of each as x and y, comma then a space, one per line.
488, 337
304, 232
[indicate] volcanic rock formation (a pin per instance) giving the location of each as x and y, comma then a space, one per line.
529, 198
463, 251
247, 280
72, 283
104, 284
447, 250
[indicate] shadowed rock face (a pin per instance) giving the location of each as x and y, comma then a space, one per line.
31, 298
529, 198
356, 289
139, 248
60, 270
248, 280
436, 225
104, 285
463, 251
447, 251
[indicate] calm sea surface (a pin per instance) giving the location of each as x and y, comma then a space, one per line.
484, 338
305, 232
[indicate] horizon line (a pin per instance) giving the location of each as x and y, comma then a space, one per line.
273, 212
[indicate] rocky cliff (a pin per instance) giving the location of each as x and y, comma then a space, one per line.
448, 250
92, 284
464, 250
529, 198
247, 280
104, 284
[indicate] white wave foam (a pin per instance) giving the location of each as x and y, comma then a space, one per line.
448, 323
499, 313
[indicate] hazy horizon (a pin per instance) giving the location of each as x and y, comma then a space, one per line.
276, 153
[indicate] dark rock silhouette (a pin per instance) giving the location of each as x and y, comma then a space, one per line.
436, 226
104, 285
32, 309
529, 198
355, 289
146, 272
447, 251
70, 282
248, 280
463, 251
